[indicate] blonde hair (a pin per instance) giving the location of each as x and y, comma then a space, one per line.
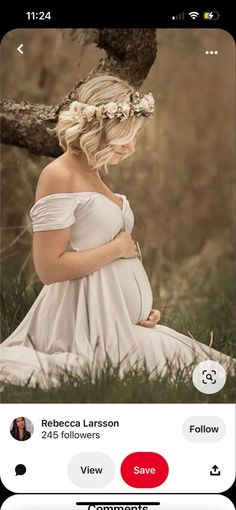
97, 138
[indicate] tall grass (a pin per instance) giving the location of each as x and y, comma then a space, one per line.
136, 386
203, 320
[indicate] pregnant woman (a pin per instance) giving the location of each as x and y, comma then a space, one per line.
96, 303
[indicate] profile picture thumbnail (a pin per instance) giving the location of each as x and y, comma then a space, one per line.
21, 428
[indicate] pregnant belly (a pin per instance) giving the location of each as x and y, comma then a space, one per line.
135, 287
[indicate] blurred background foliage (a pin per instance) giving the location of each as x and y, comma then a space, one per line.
180, 182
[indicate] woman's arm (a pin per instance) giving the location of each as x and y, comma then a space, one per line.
54, 264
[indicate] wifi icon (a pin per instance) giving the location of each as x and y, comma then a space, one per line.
194, 14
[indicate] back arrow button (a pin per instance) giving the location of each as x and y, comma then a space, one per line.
19, 49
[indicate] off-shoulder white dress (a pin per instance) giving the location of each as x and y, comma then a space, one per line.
89, 320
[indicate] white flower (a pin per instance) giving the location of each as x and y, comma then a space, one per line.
125, 109
139, 105
89, 112
144, 105
110, 109
150, 100
76, 106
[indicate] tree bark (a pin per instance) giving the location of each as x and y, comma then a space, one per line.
130, 54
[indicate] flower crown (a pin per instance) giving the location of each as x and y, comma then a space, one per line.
139, 105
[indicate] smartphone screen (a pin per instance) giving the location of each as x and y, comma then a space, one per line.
117, 366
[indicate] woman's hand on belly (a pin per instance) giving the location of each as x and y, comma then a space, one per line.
127, 246
152, 319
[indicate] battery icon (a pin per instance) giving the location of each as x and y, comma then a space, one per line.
211, 15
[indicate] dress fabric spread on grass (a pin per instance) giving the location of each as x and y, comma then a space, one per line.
84, 322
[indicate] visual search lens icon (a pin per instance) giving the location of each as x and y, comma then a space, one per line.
208, 376
193, 14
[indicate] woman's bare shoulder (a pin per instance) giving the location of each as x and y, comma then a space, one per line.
54, 178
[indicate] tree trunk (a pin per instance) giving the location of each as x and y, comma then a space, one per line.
130, 54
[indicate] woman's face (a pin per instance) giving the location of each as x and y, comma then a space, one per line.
20, 423
120, 150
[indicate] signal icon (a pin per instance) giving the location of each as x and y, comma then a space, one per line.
178, 16
194, 14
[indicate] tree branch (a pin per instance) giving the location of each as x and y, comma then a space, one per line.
130, 54
25, 125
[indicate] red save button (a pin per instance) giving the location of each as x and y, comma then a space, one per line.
144, 469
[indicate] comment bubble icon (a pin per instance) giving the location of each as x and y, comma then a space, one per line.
20, 469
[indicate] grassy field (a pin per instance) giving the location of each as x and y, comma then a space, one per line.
204, 320
108, 387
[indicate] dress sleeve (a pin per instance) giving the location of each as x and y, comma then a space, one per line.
53, 212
